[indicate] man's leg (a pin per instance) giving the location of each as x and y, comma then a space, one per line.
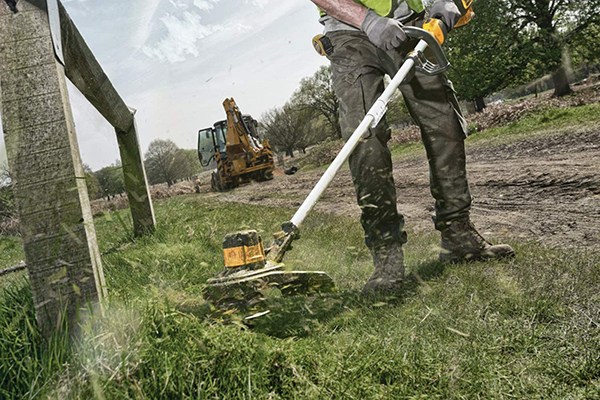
432, 102
357, 83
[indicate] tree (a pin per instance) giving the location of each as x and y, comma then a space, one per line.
552, 25
160, 161
167, 163
310, 127
287, 128
91, 181
316, 93
186, 163
488, 54
584, 46
110, 180
5, 175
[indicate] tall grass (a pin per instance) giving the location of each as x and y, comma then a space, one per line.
526, 328
26, 361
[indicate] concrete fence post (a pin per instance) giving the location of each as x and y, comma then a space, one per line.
50, 189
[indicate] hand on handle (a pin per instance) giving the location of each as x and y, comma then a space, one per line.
447, 11
385, 33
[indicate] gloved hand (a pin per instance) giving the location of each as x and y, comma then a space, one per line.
447, 11
385, 33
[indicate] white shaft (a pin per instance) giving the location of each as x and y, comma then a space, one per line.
373, 117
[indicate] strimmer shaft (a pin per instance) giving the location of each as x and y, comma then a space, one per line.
374, 115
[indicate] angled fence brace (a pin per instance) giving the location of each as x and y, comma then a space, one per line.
82, 68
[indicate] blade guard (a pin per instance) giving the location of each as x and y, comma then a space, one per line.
440, 63
248, 273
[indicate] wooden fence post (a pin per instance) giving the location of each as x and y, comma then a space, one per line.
134, 175
87, 75
50, 189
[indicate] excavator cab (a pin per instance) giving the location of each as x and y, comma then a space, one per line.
211, 141
206, 146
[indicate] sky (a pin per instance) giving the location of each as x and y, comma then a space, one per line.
175, 61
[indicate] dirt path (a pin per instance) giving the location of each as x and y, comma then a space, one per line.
544, 188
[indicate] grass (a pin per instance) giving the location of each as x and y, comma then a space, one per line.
526, 328
545, 121
542, 121
11, 250
520, 329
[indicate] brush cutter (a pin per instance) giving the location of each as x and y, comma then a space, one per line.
250, 268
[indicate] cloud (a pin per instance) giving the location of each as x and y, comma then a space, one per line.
257, 3
180, 41
175, 60
205, 5
178, 26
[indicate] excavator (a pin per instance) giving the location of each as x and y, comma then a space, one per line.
234, 145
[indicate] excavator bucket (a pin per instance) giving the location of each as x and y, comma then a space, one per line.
249, 277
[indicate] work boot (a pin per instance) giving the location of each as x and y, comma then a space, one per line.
462, 242
389, 270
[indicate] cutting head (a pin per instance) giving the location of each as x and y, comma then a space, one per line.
249, 276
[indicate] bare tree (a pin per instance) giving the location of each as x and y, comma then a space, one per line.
316, 93
286, 128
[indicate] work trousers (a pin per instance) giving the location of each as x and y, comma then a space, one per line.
358, 69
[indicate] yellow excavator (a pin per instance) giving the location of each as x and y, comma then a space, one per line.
237, 150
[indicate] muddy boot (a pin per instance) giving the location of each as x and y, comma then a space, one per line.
389, 270
462, 242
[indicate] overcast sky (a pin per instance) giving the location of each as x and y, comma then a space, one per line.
175, 61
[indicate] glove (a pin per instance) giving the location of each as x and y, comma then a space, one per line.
385, 33
447, 11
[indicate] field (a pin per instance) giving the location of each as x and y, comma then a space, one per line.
525, 328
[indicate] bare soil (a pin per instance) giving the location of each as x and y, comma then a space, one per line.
544, 188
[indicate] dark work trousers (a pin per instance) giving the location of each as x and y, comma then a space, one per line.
358, 68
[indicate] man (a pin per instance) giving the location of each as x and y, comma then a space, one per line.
368, 41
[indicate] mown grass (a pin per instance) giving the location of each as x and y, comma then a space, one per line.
526, 328
544, 121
